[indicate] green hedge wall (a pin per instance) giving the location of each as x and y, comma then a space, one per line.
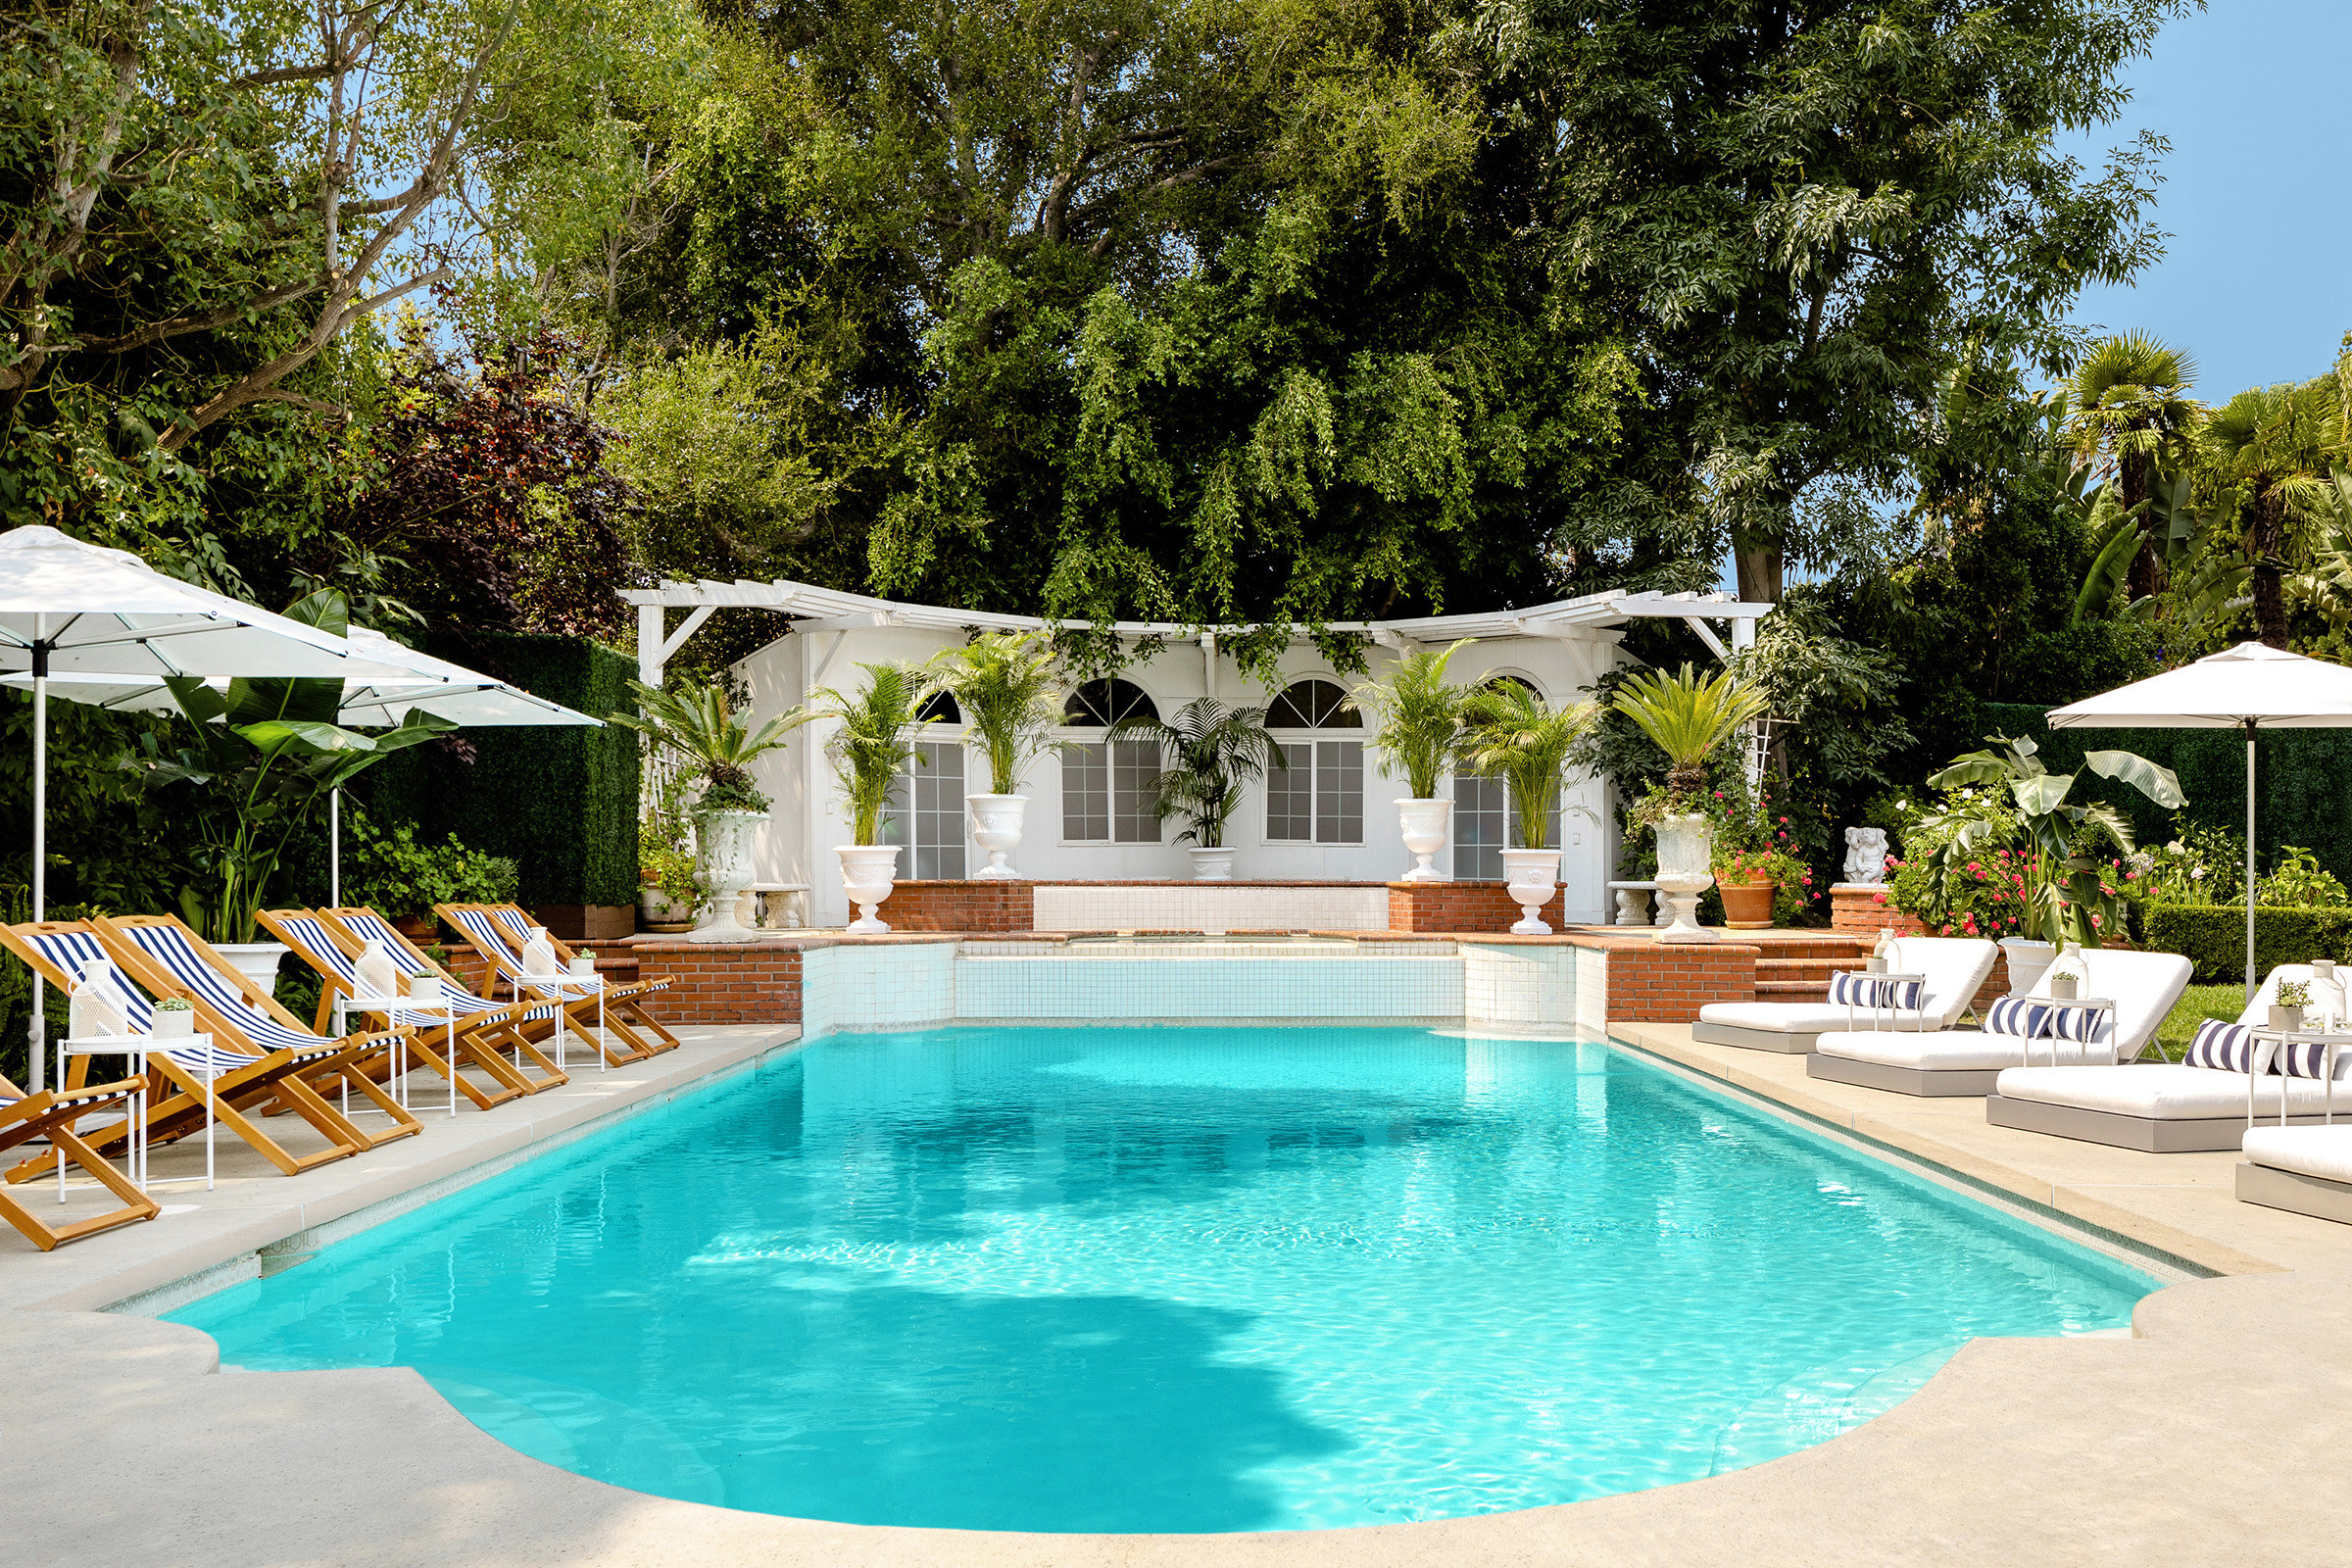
2213, 936
561, 801
2298, 776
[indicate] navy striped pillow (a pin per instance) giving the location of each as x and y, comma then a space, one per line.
1873, 991
2302, 1058
2042, 1018
2228, 1046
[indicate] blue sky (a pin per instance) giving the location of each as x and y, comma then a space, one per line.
2256, 282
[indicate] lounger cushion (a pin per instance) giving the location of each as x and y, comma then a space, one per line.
2322, 1151
1874, 991
2167, 1092
1801, 1017
2227, 1046
1952, 1049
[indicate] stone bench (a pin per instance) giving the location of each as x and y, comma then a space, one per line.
1632, 905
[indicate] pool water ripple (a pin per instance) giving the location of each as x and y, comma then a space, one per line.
1177, 1280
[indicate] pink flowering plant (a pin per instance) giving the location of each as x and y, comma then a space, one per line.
1757, 844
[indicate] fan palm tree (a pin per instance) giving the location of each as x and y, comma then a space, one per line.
1688, 718
2269, 451
2131, 412
1510, 734
1217, 749
718, 747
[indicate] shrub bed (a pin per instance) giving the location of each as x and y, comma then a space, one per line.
2213, 936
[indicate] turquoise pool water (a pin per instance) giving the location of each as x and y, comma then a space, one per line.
1176, 1280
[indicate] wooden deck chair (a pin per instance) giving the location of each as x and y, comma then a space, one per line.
481, 1026
244, 1082
51, 1114
501, 938
253, 1018
358, 923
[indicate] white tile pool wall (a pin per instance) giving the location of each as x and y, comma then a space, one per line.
920, 985
1219, 986
1208, 906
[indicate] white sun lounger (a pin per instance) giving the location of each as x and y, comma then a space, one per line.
2307, 1170
1954, 968
2144, 986
2163, 1108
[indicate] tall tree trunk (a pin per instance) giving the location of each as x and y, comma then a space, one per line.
2147, 575
2269, 569
1759, 566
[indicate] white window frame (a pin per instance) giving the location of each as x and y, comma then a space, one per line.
1135, 815
903, 809
1314, 742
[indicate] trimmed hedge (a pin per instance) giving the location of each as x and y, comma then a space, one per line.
2213, 936
561, 801
2297, 779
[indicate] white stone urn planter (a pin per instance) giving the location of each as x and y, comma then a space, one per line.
1211, 865
2027, 960
868, 872
656, 908
257, 962
1531, 877
1686, 870
1425, 823
997, 828
723, 863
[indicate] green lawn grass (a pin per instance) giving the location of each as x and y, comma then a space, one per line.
2197, 1005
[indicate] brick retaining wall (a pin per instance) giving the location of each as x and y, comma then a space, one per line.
1464, 907
962, 906
1667, 982
725, 982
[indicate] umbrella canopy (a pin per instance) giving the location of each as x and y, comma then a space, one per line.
73, 609
2249, 687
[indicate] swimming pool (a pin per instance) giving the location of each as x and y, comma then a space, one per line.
1177, 1279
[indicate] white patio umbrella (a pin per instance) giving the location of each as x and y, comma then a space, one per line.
75, 610
406, 679
2249, 687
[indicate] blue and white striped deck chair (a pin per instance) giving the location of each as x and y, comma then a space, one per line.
359, 924
590, 999
479, 1025
243, 1080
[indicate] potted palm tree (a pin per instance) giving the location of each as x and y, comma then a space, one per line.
873, 745
1008, 687
1687, 718
1418, 719
1514, 735
1216, 751
718, 748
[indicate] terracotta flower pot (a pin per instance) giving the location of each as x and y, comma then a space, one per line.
1747, 906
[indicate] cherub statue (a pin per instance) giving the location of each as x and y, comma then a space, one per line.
1866, 855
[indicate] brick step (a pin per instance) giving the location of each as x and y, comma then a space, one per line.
1792, 990
1804, 968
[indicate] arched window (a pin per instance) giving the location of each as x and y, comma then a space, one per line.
1107, 790
1313, 705
1100, 704
1317, 797
941, 709
1483, 820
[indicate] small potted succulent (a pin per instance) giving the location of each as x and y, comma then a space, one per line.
2286, 1012
174, 1019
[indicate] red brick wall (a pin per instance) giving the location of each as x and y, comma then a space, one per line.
723, 982
1469, 907
1667, 982
962, 906
1864, 910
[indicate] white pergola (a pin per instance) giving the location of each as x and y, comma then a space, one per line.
821, 610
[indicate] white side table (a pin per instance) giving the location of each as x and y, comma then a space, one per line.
2043, 1030
391, 1007
2332, 1044
138, 1046
561, 987
1882, 998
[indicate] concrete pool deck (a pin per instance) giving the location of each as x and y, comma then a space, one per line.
2213, 1434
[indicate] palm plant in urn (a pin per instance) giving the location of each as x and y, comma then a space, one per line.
1687, 717
1215, 750
1512, 734
873, 745
718, 748
1418, 719
1008, 687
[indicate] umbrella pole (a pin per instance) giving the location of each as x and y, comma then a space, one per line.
36, 1041
334, 848
2249, 860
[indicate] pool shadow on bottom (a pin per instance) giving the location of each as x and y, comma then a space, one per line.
881, 1404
